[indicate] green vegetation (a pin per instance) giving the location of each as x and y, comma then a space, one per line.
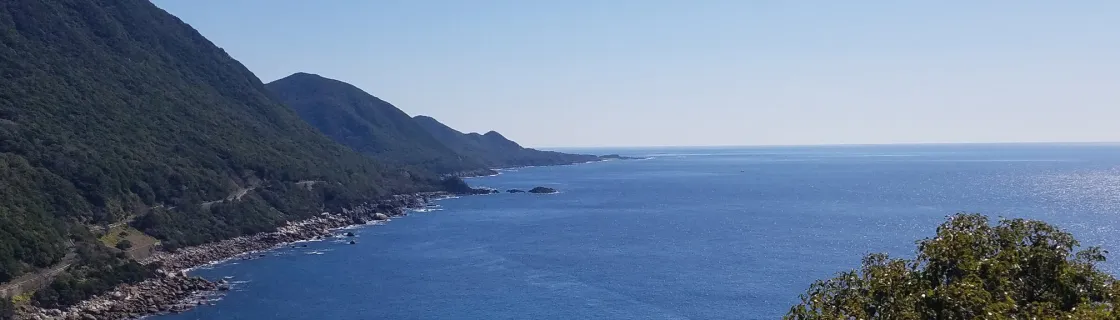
22, 298
7, 308
367, 124
124, 232
98, 270
1017, 269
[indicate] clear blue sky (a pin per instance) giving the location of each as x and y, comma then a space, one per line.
655, 72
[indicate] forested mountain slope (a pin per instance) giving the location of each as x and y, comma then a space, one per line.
113, 109
367, 124
372, 126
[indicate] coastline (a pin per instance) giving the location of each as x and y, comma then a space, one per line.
174, 291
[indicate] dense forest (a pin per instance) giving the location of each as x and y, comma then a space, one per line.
113, 110
1016, 269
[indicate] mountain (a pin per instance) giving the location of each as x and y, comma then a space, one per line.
114, 110
372, 126
495, 150
367, 124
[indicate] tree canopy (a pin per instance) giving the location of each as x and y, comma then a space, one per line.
1016, 269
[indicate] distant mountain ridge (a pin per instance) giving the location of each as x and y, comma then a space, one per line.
495, 150
379, 129
366, 123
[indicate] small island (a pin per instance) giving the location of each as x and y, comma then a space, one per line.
515, 191
617, 157
542, 190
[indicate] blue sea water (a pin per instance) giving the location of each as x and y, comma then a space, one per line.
691, 233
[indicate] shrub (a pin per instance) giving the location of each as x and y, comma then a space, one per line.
7, 308
1017, 269
124, 245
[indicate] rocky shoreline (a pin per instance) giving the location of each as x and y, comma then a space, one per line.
173, 291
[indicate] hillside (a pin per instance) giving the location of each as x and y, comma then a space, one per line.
367, 124
374, 127
495, 150
113, 110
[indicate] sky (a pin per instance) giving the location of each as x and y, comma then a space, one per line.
585, 73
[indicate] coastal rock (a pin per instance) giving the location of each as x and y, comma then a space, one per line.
542, 190
515, 191
223, 285
157, 295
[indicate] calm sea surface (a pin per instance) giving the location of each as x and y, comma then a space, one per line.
691, 233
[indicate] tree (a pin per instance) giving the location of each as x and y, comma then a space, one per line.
124, 245
1017, 269
7, 308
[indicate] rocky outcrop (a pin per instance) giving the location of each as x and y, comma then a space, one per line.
169, 293
485, 191
515, 191
474, 173
457, 186
542, 190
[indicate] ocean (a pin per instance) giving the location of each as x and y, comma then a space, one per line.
689, 233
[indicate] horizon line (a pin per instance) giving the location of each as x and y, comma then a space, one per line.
830, 145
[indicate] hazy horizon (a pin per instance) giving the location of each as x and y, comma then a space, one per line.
899, 144
711, 73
